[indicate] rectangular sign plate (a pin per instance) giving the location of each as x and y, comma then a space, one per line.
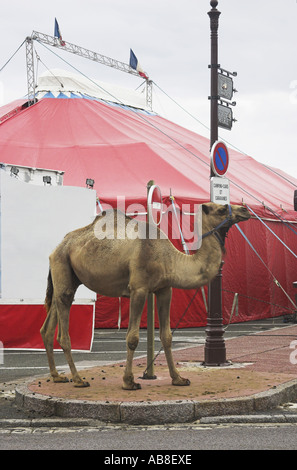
225, 86
225, 117
219, 190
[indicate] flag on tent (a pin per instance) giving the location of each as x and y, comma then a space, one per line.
134, 64
58, 33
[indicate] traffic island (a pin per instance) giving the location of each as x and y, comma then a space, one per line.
214, 391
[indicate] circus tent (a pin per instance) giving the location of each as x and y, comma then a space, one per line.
86, 132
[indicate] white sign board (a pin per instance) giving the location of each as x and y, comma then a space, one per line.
219, 190
33, 221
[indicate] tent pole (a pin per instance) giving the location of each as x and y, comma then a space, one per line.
149, 374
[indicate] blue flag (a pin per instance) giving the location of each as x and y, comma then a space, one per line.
134, 64
57, 33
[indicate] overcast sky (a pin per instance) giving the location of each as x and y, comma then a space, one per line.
171, 40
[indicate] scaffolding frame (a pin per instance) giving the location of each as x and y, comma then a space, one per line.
77, 50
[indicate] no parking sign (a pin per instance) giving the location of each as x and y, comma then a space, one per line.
219, 158
219, 186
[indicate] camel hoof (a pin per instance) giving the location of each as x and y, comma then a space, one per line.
60, 379
133, 386
181, 382
82, 384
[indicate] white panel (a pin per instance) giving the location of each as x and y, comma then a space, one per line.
34, 220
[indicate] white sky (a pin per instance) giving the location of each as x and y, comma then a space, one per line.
171, 39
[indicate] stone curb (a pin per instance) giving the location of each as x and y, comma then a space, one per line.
251, 419
155, 412
45, 423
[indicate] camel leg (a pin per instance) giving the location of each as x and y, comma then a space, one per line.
63, 338
65, 284
48, 332
163, 307
137, 301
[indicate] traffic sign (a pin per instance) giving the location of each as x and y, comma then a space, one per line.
219, 158
154, 204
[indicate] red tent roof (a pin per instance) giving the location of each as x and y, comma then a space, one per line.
122, 149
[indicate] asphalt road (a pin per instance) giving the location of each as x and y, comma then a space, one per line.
179, 439
109, 346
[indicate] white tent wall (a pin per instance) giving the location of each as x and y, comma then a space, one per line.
34, 220
58, 81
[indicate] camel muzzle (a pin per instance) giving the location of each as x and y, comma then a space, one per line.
243, 214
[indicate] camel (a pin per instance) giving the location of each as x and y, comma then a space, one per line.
120, 266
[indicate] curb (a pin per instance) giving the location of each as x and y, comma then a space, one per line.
157, 412
251, 419
45, 423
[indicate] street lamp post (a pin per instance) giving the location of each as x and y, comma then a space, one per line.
214, 66
215, 349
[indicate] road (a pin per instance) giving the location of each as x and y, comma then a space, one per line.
109, 346
179, 438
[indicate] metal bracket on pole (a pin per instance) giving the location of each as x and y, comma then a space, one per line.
228, 73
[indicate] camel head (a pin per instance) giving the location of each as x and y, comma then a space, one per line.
217, 214
219, 218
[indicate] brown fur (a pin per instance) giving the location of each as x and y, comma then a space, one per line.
49, 292
118, 266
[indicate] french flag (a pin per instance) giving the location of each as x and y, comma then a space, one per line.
58, 33
134, 64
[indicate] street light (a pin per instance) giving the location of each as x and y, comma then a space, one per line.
215, 349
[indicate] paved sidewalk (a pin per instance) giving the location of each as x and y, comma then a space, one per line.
262, 376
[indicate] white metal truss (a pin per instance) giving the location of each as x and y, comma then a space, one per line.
80, 51
149, 94
30, 71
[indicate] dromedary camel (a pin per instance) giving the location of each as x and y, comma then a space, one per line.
120, 266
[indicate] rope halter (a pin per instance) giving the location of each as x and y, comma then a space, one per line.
214, 231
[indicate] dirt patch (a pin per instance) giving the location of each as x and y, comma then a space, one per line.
206, 383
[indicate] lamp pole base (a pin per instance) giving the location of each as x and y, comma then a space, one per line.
215, 349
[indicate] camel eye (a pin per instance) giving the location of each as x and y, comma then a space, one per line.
222, 211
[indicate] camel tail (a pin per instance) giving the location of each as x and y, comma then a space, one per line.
49, 292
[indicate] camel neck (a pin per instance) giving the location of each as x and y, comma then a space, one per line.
193, 271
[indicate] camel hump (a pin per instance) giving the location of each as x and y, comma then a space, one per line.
114, 224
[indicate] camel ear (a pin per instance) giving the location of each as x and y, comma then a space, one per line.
205, 209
